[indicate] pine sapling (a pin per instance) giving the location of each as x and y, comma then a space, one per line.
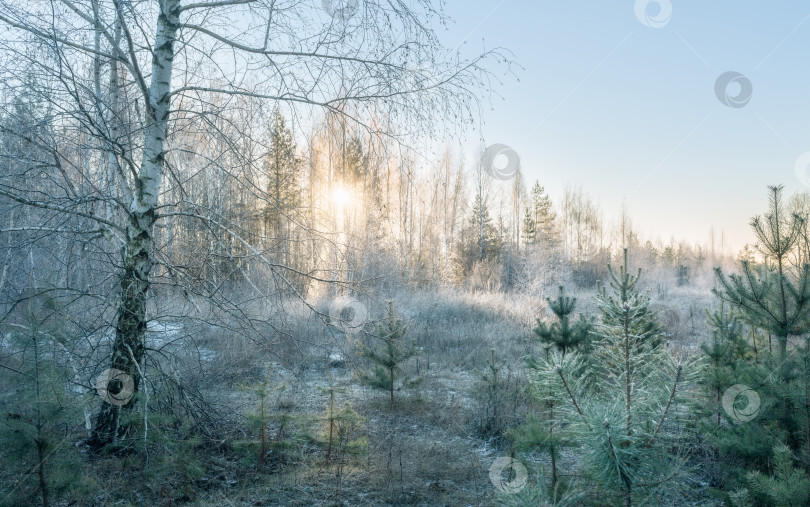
774, 296
563, 334
341, 434
547, 434
786, 487
499, 395
388, 360
620, 407
727, 344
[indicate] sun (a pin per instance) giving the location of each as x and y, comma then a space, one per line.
341, 196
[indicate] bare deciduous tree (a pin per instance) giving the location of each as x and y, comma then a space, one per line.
131, 85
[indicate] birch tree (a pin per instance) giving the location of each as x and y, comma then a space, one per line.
131, 77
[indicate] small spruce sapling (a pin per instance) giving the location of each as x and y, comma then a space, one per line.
388, 360
258, 419
340, 434
37, 412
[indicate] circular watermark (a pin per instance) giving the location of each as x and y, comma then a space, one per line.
654, 13
723, 89
348, 314
803, 169
508, 465
115, 387
731, 403
500, 161
341, 9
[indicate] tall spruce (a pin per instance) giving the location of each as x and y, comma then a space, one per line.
528, 231
282, 166
486, 233
544, 217
354, 161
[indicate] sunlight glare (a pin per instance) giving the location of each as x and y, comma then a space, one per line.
341, 196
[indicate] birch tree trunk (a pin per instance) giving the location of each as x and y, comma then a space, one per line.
137, 253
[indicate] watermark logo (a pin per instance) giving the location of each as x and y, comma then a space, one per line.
115, 387
341, 9
505, 465
803, 168
500, 161
654, 13
348, 314
732, 400
724, 89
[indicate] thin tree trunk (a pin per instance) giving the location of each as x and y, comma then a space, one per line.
807, 397
553, 455
754, 341
43, 484
391, 370
39, 440
627, 366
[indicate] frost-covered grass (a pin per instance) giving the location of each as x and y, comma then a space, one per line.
429, 449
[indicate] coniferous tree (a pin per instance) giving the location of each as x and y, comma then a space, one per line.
486, 234
564, 334
282, 168
544, 216
731, 361
621, 408
480, 238
652, 254
774, 296
786, 487
802, 395
644, 326
340, 433
355, 161
32, 418
779, 300
497, 393
725, 348
546, 434
528, 231
388, 361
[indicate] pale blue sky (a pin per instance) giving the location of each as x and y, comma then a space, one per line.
630, 112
